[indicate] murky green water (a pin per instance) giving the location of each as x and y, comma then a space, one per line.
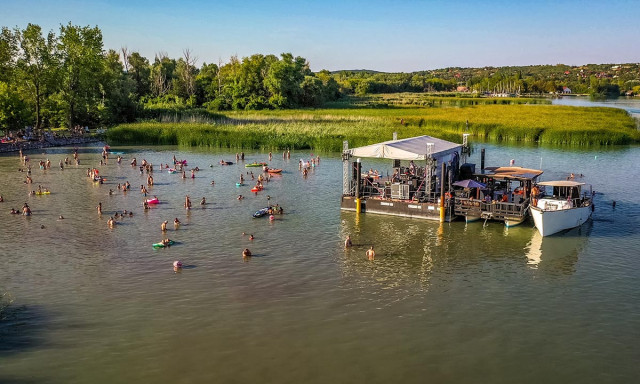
439, 304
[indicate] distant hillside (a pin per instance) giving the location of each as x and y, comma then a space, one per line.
594, 79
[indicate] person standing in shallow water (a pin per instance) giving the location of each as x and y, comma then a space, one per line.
371, 254
347, 242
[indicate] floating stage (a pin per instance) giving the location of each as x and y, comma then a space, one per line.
404, 208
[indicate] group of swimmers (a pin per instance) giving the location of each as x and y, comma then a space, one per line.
95, 174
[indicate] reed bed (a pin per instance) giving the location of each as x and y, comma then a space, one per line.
325, 129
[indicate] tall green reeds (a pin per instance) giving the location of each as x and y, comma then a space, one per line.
325, 129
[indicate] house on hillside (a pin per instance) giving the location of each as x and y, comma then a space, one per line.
566, 90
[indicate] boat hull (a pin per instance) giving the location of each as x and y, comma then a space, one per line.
550, 222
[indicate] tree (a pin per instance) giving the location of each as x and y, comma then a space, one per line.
162, 74
8, 53
82, 59
283, 80
118, 92
14, 113
37, 66
139, 71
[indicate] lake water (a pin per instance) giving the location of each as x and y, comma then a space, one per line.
439, 304
630, 104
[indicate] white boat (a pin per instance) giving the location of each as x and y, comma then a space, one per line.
565, 207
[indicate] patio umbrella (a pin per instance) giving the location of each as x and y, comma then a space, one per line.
469, 184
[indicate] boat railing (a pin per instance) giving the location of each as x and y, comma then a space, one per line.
502, 210
465, 206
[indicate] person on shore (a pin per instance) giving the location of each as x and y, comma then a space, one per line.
347, 242
371, 254
99, 208
163, 226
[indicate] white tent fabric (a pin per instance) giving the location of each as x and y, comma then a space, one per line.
413, 148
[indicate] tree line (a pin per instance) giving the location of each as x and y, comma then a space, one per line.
594, 79
69, 79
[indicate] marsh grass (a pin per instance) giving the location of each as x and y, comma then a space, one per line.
325, 129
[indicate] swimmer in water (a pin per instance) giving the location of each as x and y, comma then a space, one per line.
371, 254
246, 253
251, 237
347, 242
176, 223
111, 223
203, 201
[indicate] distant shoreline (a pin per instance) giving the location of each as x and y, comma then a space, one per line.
34, 145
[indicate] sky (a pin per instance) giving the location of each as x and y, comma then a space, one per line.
388, 36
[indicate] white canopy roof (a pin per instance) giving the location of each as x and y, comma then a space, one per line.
561, 183
413, 148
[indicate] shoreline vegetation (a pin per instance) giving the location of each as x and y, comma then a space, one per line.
68, 79
366, 121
